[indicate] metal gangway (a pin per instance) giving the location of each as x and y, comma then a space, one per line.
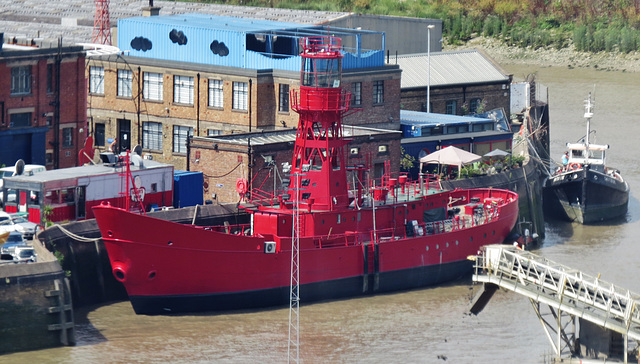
569, 294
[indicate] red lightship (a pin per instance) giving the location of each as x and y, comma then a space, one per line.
351, 241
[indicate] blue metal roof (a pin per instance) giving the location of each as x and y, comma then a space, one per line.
418, 118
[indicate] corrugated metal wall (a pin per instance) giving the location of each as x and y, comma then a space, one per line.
197, 44
404, 35
230, 46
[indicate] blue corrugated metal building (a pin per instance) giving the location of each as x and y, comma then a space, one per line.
236, 42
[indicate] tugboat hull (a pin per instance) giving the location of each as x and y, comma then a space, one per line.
586, 196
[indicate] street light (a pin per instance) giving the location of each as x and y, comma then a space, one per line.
429, 27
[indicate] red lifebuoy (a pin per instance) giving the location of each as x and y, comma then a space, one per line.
241, 186
574, 166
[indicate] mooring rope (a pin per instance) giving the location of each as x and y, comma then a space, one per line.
76, 236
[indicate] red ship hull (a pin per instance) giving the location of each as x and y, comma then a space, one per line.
168, 267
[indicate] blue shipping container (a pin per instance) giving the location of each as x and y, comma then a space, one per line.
187, 188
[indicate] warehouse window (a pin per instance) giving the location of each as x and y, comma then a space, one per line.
152, 86
378, 92
125, 79
183, 90
216, 98
152, 135
96, 80
356, 93
180, 135
240, 95
283, 106
67, 137
21, 80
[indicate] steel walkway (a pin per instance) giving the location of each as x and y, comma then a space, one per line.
568, 293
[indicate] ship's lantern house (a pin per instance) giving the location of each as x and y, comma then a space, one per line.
72, 192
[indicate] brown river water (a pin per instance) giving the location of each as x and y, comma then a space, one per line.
421, 326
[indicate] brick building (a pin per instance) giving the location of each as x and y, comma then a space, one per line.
218, 76
42, 103
259, 158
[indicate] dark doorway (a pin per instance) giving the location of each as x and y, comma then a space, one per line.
124, 136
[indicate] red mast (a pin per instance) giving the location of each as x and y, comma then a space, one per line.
102, 23
318, 155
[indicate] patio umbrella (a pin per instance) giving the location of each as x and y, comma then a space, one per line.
450, 156
499, 153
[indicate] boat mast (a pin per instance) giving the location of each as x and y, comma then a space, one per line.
588, 114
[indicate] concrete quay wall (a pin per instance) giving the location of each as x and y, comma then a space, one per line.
35, 307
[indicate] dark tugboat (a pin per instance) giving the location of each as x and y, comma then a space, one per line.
365, 238
585, 190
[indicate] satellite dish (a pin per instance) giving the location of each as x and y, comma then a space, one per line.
137, 161
138, 149
19, 168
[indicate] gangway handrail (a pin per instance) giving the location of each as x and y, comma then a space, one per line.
559, 286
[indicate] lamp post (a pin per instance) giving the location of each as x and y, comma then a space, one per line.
429, 27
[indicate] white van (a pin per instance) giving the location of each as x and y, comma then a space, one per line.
29, 170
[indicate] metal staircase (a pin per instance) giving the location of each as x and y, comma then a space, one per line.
569, 294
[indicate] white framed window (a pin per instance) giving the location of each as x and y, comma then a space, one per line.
240, 95
183, 90
212, 132
152, 135
378, 92
152, 86
356, 93
21, 80
216, 98
125, 80
283, 105
180, 135
96, 80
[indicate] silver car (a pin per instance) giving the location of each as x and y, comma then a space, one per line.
26, 227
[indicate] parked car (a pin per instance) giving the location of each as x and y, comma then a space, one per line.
26, 227
24, 254
10, 222
15, 239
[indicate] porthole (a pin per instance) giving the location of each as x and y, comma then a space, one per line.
437, 246
485, 235
493, 232
447, 244
170, 243
457, 242
427, 248
471, 239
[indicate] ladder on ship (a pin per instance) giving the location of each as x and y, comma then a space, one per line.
569, 294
